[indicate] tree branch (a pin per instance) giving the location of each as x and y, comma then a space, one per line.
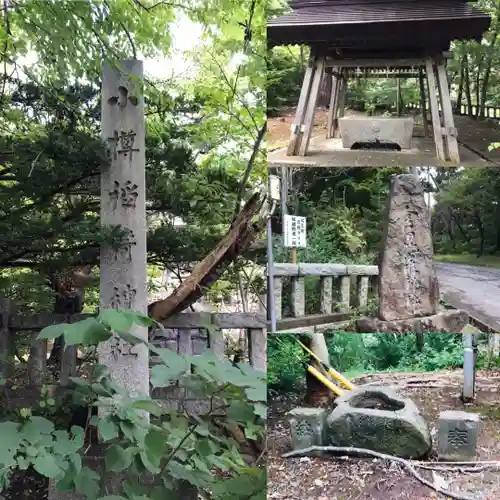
360, 452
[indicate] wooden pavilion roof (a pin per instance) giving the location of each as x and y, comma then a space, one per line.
416, 26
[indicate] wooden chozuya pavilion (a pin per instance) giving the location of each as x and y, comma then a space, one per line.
401, 38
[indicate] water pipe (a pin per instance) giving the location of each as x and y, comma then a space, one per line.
468, 388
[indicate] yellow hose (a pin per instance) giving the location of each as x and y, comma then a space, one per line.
334, 373
316, 373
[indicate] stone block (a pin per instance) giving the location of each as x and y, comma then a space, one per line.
457, 435
362, 129
377, 419
307, 427
452, 321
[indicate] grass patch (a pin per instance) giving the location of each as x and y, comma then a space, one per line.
471, 260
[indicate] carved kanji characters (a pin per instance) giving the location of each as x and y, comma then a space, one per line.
126, 193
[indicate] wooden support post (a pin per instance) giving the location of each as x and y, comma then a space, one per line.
423, 108
332, 111
433, 103
450, 132
341, 99
398, 96
301, 108
311, 106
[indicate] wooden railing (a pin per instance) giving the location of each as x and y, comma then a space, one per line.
492, 112
342, 288
186, 333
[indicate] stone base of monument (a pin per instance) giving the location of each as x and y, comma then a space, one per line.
377, 129
452, 321
376, 418
457, 435
307, 427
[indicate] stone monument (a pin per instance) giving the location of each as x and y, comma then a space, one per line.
123, 275
123, 202
408, 285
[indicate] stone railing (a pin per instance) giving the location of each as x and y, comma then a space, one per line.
342, 288
186, 333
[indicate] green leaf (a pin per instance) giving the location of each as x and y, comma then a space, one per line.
100, 390
117, 459
35, 429
86, 482
257, 393
177, 363
80, 382
155, 443
108, 430
138, 318
150, 406
132, 488
52, 331
240, 411
47, 466
86, 332
205, 448
151, 466
260, 410
10, 437
22, 463
116, 320
7, 457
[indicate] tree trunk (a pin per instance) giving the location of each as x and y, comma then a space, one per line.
468, 91
482, 236
486, 78
69, 289
459, 226
458, 104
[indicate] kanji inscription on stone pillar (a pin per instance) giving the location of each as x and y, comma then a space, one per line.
123, 202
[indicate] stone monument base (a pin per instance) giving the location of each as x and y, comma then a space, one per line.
444, 322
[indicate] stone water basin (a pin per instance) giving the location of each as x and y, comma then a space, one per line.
378, 419
385, 130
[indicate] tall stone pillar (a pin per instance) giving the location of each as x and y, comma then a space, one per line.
123, 202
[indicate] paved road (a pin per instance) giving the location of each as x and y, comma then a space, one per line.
472, 288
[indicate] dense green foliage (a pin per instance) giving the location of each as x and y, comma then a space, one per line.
182, 450
466, 215
353, 354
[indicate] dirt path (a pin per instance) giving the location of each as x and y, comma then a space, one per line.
355, 479
278, 128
